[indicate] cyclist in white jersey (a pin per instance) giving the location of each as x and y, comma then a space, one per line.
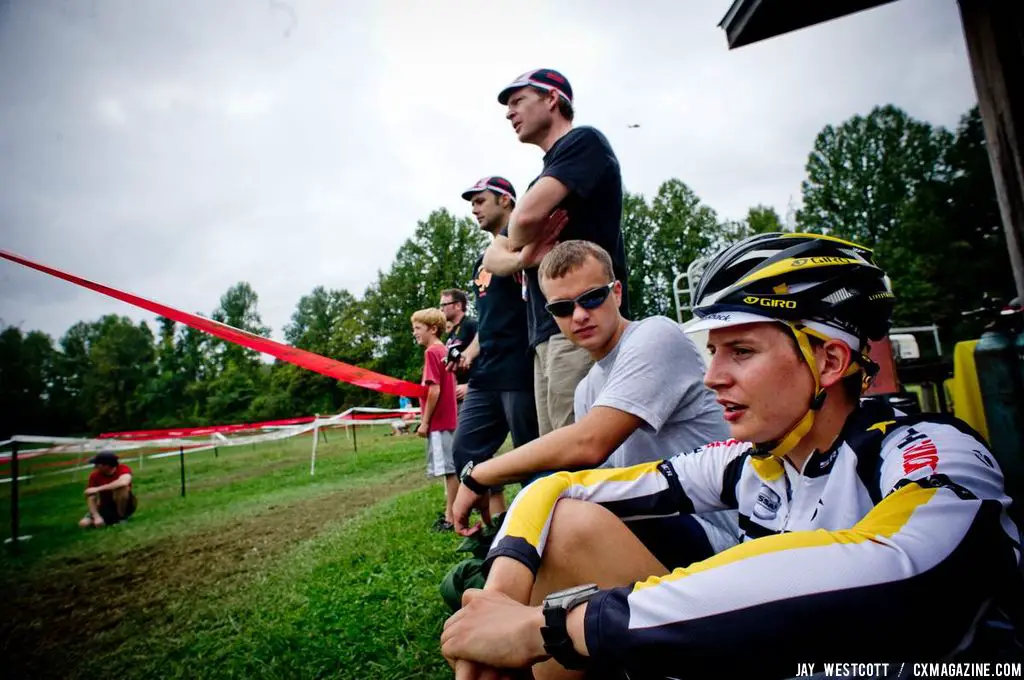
870, 535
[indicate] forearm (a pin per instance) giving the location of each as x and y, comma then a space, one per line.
119, 483
523, 228
528, 220
511, 578
501, 261
566, 448
637, 491
915, 549
473, 351
433, 396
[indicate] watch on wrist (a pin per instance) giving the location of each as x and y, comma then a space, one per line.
557, 641
466, 477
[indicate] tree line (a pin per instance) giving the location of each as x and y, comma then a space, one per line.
922, 196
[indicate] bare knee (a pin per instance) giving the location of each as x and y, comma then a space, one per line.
573, 525
587, 543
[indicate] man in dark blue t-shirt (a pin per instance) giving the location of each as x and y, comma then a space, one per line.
461, 333
578, 195
500, 397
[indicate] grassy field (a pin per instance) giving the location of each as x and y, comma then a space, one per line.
261, 571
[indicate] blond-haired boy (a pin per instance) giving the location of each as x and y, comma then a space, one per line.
439, 408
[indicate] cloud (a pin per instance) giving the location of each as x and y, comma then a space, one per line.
174, 149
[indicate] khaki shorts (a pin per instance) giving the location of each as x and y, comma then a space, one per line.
558, 366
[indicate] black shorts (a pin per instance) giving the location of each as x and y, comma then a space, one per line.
110, 515
676, 541
485, 420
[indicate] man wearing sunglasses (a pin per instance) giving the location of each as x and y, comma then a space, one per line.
581, 180
461, 334
643, 399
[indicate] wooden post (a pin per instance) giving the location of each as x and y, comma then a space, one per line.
994, 33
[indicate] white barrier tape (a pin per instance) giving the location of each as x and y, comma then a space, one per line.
79, 446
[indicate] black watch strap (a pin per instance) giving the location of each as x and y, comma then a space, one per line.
471, 484
557, 641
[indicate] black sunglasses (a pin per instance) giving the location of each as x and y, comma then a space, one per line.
592, 299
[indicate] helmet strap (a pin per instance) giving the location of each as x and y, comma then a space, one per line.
789, 441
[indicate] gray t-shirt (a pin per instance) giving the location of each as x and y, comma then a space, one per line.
657, 374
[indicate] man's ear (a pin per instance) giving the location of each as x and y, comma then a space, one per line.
552, 98
834, 359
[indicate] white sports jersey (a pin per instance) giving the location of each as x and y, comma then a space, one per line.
886, 546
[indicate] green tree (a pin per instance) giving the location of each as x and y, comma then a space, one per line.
662, 239
762, 219
198, 367
121, 362
231, 394
637, 228
27, 363
862, 174
72, 367
923, 198
239, 309
951, 254
329, 323
165, 399
439, 255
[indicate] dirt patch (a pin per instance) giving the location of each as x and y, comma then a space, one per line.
57, 619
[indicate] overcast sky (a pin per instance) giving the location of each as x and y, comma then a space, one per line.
173, 148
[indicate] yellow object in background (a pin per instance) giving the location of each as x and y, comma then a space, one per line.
964, 390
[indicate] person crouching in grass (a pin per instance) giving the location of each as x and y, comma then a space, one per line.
439, 408
109, 492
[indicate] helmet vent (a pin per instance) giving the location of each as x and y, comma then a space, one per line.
840, 295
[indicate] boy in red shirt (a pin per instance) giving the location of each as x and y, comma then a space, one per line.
109, 492
439, 409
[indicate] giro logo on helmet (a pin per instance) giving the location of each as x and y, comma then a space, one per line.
804, 261
769, 302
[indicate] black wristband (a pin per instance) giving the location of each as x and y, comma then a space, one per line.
475, 486
467, 478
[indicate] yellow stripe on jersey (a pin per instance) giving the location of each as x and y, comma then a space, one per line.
539, 498
624, 474
885, 519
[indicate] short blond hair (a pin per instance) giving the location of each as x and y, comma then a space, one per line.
568, 256
431, 316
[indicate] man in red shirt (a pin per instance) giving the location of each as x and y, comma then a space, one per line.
109, 492
439, 408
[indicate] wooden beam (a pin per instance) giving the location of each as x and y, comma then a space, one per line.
994, 32
750, 21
